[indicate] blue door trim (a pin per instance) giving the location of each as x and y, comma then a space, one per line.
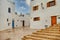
12, 23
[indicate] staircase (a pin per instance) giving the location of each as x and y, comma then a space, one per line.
51, 33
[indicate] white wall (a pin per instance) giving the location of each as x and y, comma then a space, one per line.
26, 18
44, 14
58, 20
4, 14
18, 20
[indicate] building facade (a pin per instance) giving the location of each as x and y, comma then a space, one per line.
22, 20
7, 9
9, 19
44, 13
25, 20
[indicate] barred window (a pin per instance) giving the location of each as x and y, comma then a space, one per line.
51, 3
36, 19
35, 8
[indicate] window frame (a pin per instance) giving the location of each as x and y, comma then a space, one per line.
36, 19
51, 3
35, 8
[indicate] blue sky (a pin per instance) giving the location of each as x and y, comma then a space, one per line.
21, 6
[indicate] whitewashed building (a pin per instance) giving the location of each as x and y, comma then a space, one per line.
16, 19
8, 17
44, 13
25, 20
22, 20
7, 9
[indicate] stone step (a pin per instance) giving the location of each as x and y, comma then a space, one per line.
29, 37
54, 28
51, 30
26, 39
41, 37
52, 34
46, 36
36, 39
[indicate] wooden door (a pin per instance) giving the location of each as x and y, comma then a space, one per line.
53, 20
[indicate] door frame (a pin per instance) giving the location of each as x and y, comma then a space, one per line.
52, 20
12, 23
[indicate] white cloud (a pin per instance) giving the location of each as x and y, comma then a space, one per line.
22, 8
28, 2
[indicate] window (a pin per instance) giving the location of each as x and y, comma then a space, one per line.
8, 24
51, 3
7, 20
9, 10
35, 8
36, 19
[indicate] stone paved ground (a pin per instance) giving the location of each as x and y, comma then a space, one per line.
15, 34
